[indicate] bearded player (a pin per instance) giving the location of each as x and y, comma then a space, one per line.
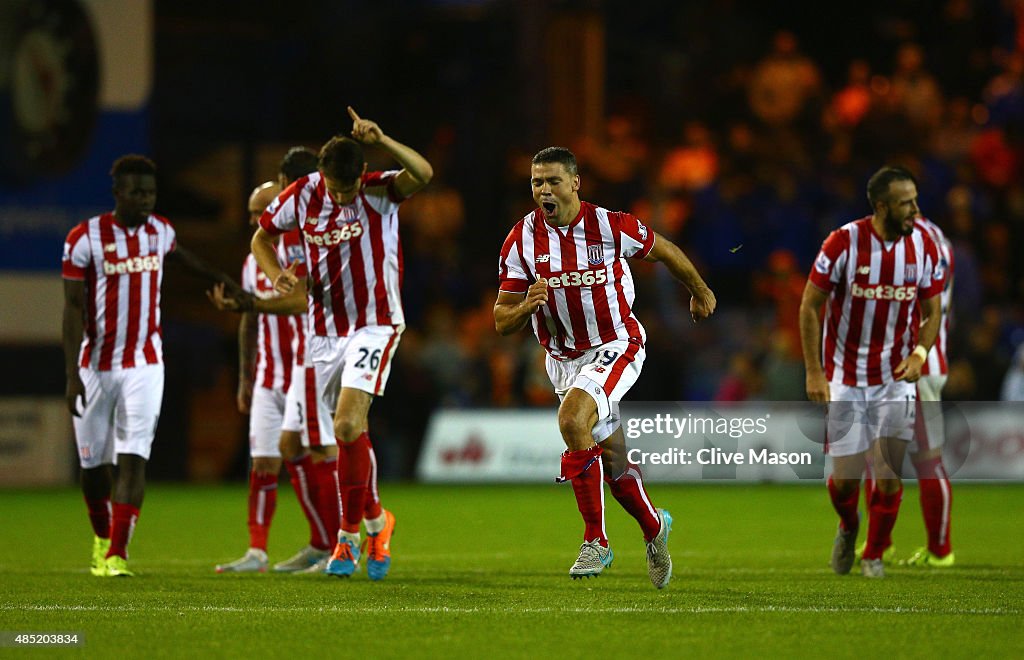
875, 277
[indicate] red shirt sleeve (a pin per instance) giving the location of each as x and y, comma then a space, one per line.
828, 266
512, 274
637, 240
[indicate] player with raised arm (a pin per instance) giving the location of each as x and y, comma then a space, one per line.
271, 346
113, 268
349, 223
872, 276
563, 269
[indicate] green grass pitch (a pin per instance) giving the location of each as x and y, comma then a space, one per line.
482, 571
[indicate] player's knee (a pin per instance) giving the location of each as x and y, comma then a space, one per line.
264, 465
889, 486
845, 486
346, 429
290, 445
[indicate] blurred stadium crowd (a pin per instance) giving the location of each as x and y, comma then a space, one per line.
745, 131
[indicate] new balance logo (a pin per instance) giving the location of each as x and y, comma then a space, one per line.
110, 247
864, 270
543, 258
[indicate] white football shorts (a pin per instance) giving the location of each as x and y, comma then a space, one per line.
361, 360
266, 416
605, 373
857, 416
122, 407
301, 413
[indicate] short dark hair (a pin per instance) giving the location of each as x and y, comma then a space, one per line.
557, 155
878, 184
132, 164
298, 162
342, 159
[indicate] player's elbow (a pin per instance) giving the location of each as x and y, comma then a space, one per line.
426, 173
503, 324
260, 238
502, 328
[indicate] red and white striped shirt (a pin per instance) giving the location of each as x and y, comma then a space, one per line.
937, 362
873, 285
281, 340
122, 268
590, 287
352, 251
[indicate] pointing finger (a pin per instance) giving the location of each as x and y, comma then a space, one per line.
352, 113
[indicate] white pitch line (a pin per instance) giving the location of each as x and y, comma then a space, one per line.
511, 610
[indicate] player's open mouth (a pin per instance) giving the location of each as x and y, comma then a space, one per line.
549, 207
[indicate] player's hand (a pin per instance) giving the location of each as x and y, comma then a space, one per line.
364, 130
702, 304
286, 281
909, 369
219, 300
817, 388
536, 296
75, 389
244, 396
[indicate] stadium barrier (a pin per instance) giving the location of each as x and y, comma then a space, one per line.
686, 442
36, 445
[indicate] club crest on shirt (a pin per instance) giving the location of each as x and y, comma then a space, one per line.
295, 253
153, 242
910, 273
595, 254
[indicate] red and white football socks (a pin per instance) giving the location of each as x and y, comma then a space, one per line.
881, 518
123, 526
628, 490
328, 499
262, 504
354, 479
100, 514
845, 506
304, 482
584, 469
372, 511
936, 504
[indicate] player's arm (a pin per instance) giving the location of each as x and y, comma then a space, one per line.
702, 299
199, 267
416, 171
810, 339
931, 311
264, 250
72, 330
287, 304
512, 311
247, 337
